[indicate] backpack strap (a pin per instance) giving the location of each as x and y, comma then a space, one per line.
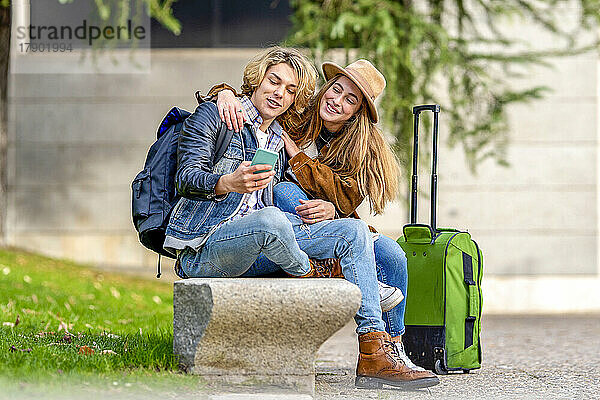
224, 136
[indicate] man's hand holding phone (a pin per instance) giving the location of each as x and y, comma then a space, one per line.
245, 179
249, 176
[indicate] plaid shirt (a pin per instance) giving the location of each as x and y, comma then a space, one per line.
274, 142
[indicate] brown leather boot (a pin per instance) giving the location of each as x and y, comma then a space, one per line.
326, 268
379, 364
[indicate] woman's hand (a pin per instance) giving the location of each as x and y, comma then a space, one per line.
317, 210
230, 110
290, 147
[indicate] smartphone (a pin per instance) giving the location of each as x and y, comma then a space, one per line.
263, 156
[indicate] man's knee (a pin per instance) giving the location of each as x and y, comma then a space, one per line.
355, 231
273, 221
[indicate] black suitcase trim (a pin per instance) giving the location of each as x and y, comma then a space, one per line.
421, 342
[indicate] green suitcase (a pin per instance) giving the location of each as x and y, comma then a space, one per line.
445, 267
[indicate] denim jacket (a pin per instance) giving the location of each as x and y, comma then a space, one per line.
200, 210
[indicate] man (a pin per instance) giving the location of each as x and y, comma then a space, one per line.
224, 222
225, 218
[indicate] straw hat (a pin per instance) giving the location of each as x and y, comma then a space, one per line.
364, 75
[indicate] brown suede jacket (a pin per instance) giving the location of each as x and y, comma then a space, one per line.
318, 180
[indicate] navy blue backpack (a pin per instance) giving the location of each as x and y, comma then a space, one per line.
153, 189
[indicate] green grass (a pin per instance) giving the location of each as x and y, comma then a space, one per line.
64, 322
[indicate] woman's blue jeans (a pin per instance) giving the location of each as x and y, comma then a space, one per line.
389, 256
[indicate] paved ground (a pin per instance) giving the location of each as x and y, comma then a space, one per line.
524, 357
541, 357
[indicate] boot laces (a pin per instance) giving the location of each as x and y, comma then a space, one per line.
399, 347
391, 349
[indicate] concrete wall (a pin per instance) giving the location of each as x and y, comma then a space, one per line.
77, 141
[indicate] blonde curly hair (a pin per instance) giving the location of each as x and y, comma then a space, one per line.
257, 67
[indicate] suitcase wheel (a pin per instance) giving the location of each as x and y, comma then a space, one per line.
439, 369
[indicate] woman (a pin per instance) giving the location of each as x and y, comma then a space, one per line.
338, 154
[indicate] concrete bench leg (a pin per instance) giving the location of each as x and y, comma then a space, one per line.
258, 331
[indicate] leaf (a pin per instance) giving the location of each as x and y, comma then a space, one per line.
107, 352
85, 350
18, 320
13, 349
115, 292
66, 327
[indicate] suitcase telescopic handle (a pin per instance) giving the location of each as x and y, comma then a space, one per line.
417, 110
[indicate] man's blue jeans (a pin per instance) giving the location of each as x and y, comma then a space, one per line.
234, 246
389, 256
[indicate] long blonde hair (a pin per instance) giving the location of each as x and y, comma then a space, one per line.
359, 150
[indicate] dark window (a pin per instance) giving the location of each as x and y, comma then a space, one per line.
226, 23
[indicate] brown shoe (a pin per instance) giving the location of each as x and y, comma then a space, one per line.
379, 364
326, 268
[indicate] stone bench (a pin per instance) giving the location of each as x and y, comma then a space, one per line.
260, 331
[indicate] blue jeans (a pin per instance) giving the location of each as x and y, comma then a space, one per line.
349, 240
234, 247
237, 249
389, 257
391, 270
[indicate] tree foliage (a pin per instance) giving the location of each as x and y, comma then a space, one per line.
451, 52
